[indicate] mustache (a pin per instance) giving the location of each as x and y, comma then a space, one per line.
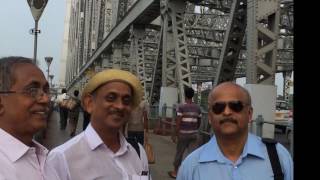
116, 112
231, 120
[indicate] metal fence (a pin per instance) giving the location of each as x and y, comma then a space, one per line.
259, 122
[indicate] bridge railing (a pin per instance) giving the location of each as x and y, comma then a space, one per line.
259, 122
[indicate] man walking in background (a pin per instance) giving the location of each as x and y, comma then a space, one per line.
63, 110
187, 125
74, 113
138, 122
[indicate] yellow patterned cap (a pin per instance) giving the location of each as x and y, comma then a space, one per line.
109, 75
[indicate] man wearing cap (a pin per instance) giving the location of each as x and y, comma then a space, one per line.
101, 151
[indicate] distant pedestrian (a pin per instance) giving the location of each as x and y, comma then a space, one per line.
138, 122
233, 152
62, 109
74, 113
187, 125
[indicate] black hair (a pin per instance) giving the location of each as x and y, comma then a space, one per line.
76, 93
63, 91
188, 92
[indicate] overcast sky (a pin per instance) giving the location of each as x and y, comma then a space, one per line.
15, 40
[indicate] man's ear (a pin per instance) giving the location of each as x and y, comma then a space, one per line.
88, 103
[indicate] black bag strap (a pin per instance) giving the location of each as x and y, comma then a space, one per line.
274, 158
134, 144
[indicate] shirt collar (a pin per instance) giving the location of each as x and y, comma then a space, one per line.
95, 141
93, 138
253, 147
212, 152
15, 149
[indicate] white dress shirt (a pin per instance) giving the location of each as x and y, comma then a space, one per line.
21, 162
61, 97
86, 157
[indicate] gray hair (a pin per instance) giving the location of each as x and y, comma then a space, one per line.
7, 65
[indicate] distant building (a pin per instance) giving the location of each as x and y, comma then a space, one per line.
64, 53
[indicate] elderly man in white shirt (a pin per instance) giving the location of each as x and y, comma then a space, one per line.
24, 106
101, 151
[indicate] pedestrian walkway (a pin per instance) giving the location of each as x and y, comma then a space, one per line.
55, 136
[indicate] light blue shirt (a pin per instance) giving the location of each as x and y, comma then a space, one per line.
208, 163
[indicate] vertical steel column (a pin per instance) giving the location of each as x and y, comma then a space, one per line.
199, 87
117, 54
286, 84
262, 35
176, 66
137, 53
157, 70
107, 18
119, 8
232, 43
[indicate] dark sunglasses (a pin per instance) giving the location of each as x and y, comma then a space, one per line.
236, 106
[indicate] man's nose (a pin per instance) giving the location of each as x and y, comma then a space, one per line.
119, 104
227, 110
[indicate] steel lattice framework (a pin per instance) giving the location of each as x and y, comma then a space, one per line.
174, 43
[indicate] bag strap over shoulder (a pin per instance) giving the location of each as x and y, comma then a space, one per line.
134, 144
274, 158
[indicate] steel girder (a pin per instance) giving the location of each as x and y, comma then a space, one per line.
176, 66
156, 81
117, 54
120, 7
232, 43
262, 36
221, 5
202, 32
137, 51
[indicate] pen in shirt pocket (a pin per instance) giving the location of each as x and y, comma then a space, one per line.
144, 173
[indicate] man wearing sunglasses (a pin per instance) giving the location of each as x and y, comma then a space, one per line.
233, 152
24, 107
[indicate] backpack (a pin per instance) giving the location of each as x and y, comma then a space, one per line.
274, 158
71, 104
63, 103
134, 144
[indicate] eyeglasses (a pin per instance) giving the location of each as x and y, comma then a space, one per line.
236, 106
35, 93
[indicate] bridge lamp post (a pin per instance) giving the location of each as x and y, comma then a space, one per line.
36, 7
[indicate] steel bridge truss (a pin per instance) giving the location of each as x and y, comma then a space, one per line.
196, 41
